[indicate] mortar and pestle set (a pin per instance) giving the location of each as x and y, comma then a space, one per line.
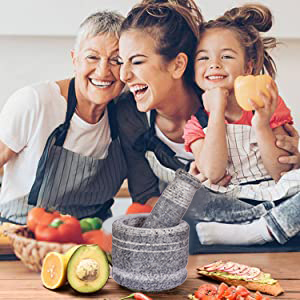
150, 252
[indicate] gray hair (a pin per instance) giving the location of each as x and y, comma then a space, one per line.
97, 23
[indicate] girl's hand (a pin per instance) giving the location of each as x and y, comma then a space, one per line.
289, 143
195, 172
215, 99
263, 114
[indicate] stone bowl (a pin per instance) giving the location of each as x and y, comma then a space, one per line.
147, 259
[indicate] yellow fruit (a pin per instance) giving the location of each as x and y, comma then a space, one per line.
54, 270
249, 87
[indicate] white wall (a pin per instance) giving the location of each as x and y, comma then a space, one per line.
61, 17
36, 37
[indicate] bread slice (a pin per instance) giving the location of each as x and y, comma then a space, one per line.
271, 289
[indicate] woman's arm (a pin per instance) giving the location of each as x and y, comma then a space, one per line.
289, 143
5, 154
265, 135
270, 153
211, 153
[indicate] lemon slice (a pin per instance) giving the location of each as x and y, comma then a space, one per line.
54, 270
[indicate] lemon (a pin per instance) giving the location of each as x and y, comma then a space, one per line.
54, 270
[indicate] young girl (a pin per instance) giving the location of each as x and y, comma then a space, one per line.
227, 140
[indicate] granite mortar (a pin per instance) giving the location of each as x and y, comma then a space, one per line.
149, 259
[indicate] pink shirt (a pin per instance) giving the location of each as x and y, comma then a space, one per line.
193, 130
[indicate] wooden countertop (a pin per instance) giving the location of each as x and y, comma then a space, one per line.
17, 282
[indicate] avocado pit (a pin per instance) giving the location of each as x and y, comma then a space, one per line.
87, 269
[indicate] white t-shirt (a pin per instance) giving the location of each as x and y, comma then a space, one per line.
26, 121
178, 148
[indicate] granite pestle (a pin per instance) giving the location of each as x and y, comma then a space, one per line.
173, 202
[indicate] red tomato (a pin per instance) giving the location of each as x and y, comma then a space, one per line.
242, 291
258, 296
221, 290
68, 234
230, 293
206, 292
138, 208
99, 237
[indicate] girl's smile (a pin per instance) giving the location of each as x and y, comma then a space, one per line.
219, 59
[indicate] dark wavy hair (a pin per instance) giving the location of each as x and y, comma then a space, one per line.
174, 26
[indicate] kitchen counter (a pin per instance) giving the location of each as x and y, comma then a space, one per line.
17, 282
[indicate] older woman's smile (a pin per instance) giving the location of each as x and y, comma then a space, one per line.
97, 69
101, 83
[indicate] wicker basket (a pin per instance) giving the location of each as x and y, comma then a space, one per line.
30, 251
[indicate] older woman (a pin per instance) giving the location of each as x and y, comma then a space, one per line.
58, 139
157, 45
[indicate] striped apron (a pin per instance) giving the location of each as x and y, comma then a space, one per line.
162, 159
250, 180
70, 182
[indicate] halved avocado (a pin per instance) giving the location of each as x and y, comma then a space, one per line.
88, 269
109, 258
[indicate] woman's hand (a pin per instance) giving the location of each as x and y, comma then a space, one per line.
263, 114
195, 172
215, 99
289, 143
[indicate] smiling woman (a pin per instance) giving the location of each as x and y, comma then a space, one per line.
157, 44
144, 70
97, 74
59, 140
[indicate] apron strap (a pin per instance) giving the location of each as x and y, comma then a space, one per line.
57, 137
202, 117
112, 118
62, 130
149, 141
